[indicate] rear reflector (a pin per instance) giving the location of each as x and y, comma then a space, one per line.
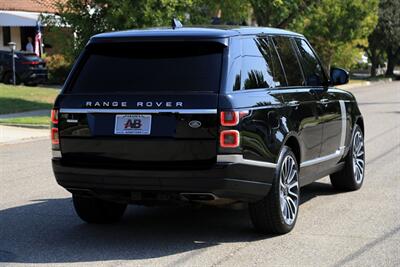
54, 116
54, 136
229, 139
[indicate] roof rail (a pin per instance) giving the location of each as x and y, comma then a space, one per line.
176, 23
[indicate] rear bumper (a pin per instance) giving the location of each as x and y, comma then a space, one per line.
233, 180
35, 76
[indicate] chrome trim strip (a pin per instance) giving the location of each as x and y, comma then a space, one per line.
180, 111
338, 153
245, 181
237, 158
344, 122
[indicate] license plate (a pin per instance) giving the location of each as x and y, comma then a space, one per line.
132, 124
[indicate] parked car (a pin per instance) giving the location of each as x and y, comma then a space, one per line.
30, 69
205, 115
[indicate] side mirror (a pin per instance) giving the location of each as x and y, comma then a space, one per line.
339, 76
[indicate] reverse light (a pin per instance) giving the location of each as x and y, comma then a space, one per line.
229, 139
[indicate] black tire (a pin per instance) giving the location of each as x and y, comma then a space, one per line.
31, 84
98, 211
8, 78
348, 179
267, 215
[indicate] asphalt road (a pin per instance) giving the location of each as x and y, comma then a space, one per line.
38, 224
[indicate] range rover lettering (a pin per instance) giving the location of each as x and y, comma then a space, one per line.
207, 115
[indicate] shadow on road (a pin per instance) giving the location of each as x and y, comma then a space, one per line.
48, 231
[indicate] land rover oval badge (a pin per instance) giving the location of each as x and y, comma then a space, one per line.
194, 124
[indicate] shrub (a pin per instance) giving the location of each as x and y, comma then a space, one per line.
58, 67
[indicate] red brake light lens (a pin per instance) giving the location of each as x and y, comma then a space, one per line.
30, 62
54, 116
54, 136
229, 118
229, 139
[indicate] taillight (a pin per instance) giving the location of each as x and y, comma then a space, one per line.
54, 116
55, 141
232, 118
229, 118
54, 136
229, 138
30, 62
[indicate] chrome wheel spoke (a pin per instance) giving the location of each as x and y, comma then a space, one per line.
292, 190
358, 157
292, 207
289, 189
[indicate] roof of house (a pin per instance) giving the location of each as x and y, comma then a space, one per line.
45, 6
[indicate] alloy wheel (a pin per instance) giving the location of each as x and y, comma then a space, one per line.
358, 157
289, 189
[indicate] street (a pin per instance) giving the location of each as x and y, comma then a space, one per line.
38, 224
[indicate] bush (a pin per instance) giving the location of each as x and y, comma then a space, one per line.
58, 67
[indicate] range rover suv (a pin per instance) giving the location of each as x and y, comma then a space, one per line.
205, 115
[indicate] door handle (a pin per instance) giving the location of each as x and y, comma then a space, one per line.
324, 101
294, 103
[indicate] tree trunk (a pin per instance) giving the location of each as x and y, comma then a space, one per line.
373, 69
392, 60
390, 67
372, 54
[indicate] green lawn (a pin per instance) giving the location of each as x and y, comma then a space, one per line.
15, 99
38, 120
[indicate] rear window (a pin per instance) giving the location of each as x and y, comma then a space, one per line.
150, 67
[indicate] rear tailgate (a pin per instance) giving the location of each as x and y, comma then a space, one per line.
146, 105
94, 136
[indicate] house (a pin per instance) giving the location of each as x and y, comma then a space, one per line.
19, 20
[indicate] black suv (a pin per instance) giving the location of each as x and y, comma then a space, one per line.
205, 115
29, 68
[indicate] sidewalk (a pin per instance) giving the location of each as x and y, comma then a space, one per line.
11, 134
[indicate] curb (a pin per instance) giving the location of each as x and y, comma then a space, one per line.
30, 126
25, 140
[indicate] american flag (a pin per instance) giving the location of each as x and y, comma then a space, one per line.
38, 41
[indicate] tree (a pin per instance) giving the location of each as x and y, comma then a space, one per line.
388, 30
279, 13
335, 23
228, 11
374, 50
88, 17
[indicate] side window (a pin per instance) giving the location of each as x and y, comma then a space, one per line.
255, 74
272, 60
258, 68
233, 81
289, 60
312, 68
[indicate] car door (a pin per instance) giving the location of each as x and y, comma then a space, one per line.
303, 115
330, 107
